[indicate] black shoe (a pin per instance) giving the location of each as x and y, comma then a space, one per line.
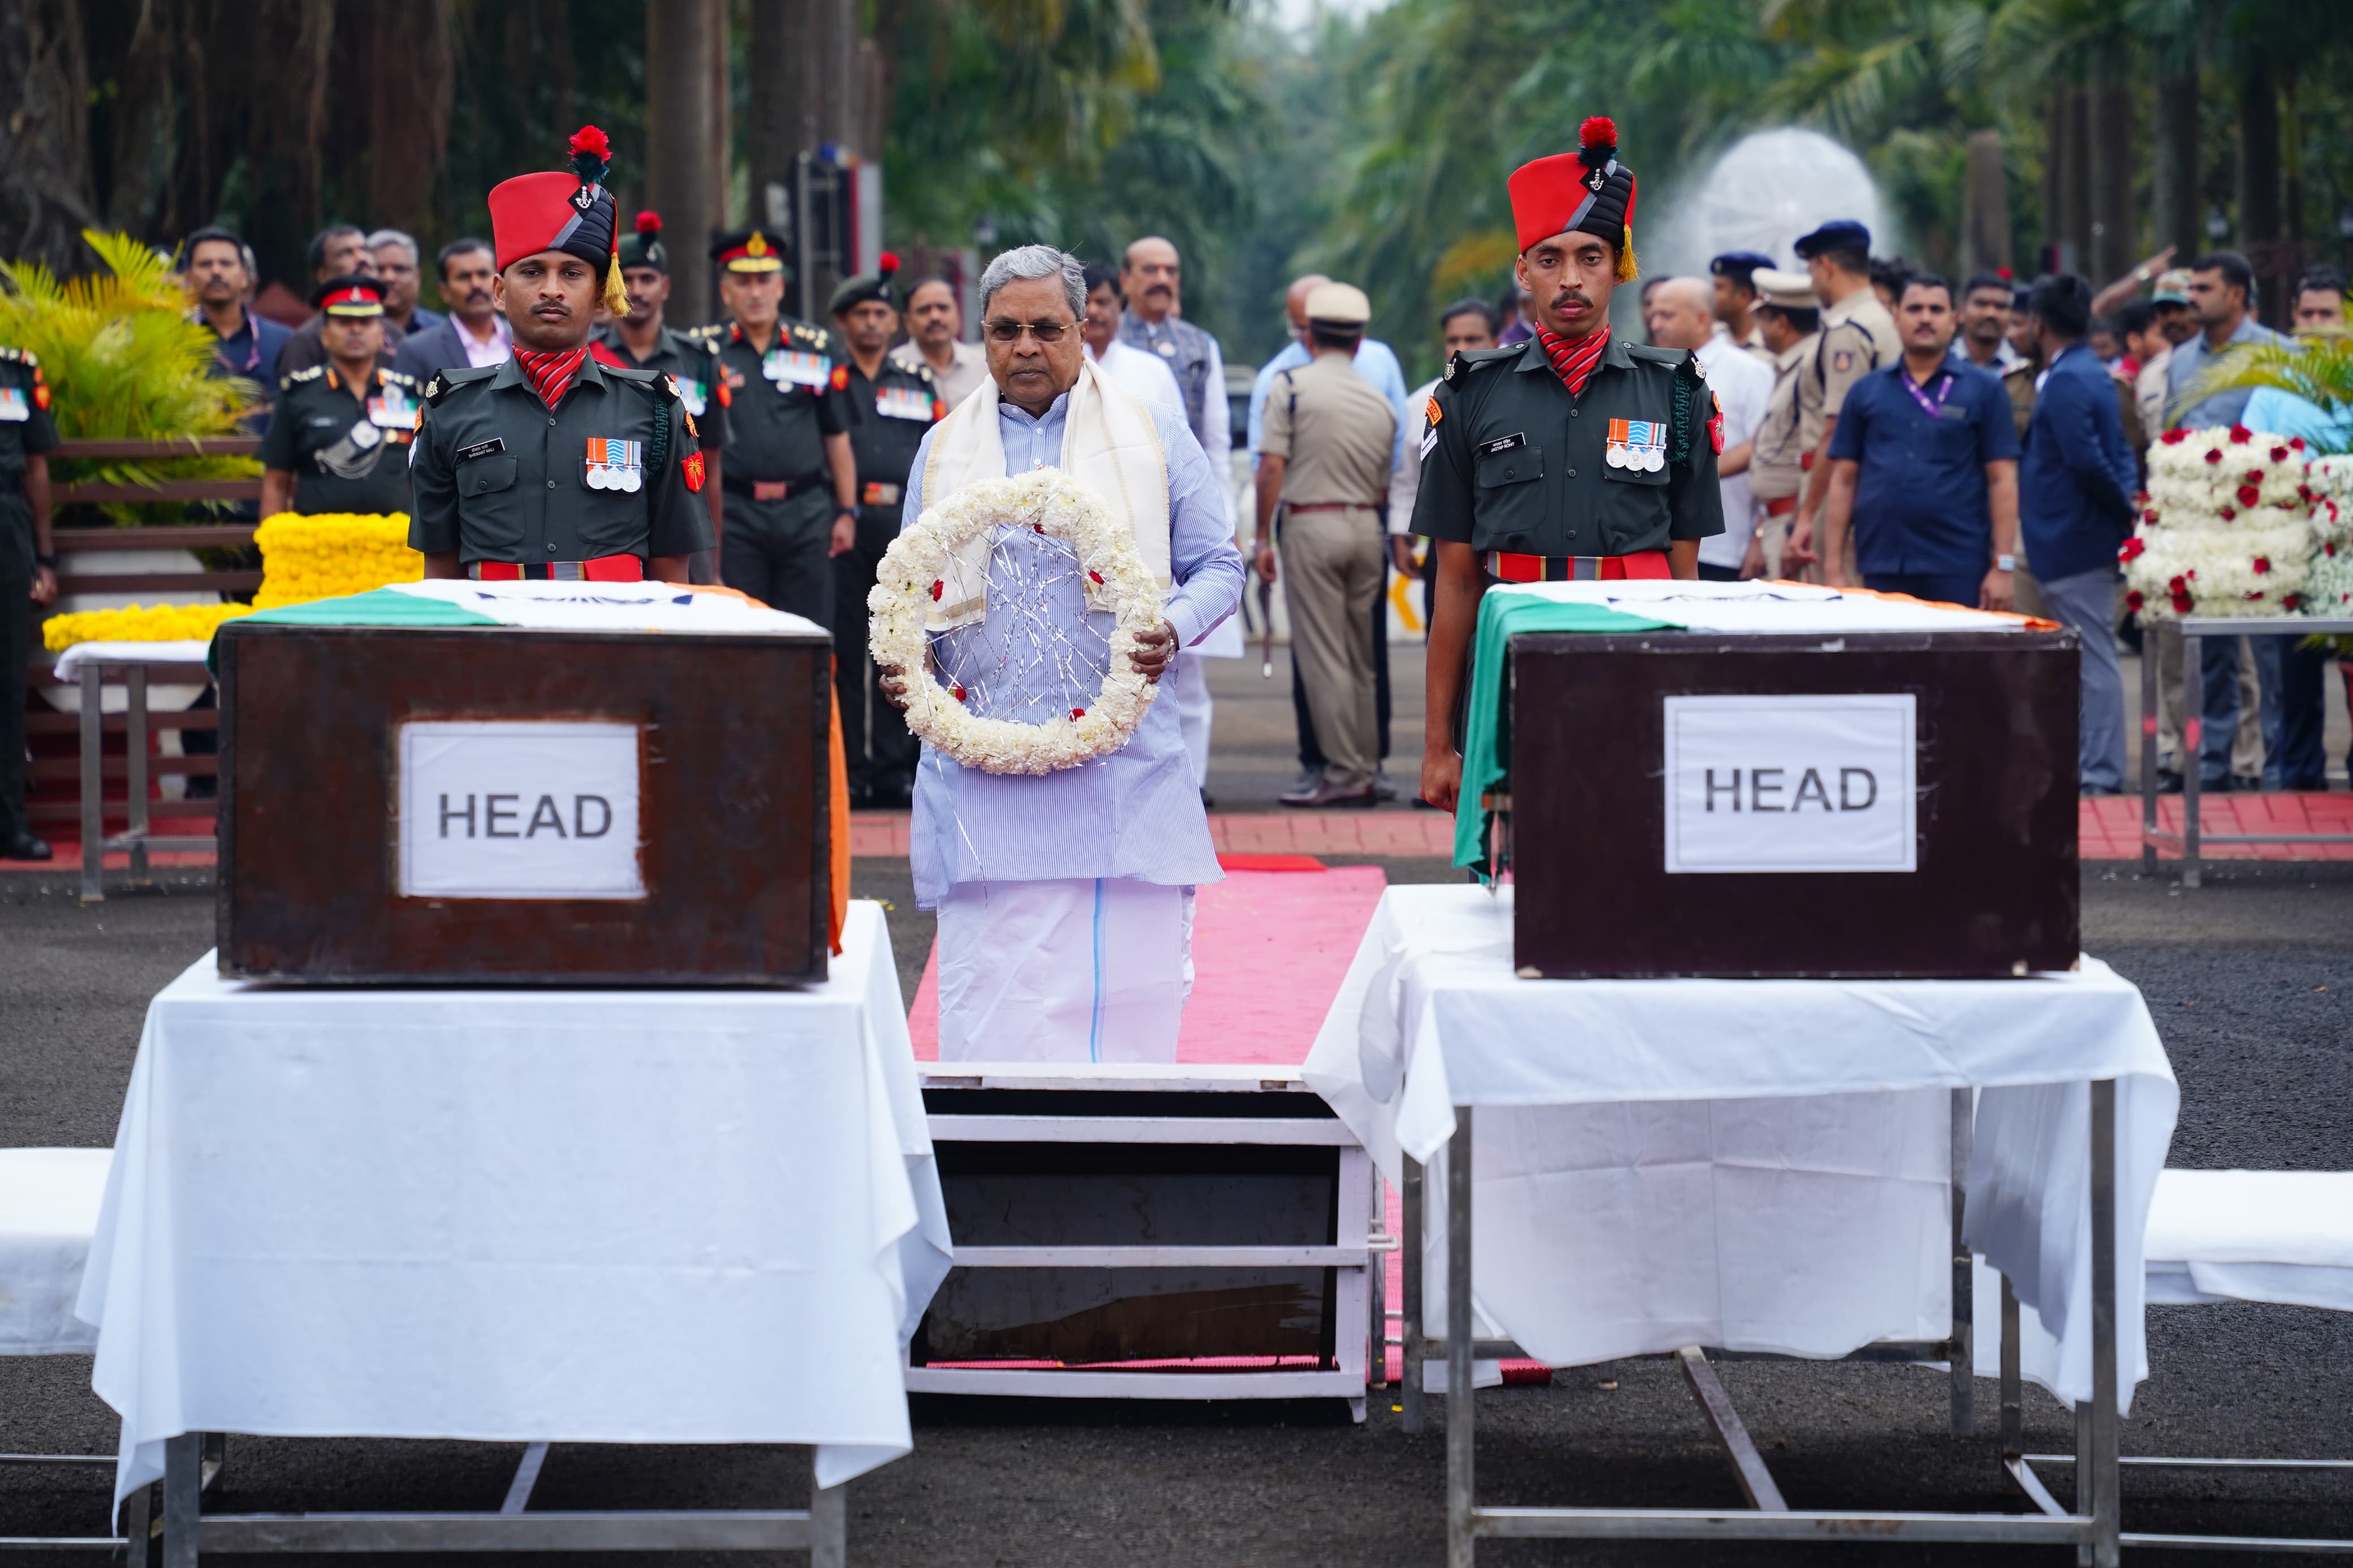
2246, 784
25, 846
2090, 789
892, 795
2167, 782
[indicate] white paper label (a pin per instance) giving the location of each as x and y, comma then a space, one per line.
519, 809
1790, 783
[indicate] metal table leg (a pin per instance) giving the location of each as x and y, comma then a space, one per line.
2149, 659
1460, 1543
2107, 1498
93, 780
1376, 1281
182, 1481
829, 1522
2193, 745
1412, 1245
1963, 1364
134, 681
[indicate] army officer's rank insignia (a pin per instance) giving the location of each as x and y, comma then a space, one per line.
1638, 444
616, 464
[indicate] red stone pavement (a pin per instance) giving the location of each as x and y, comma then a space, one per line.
2109, 829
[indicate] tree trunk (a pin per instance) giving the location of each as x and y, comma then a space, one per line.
2068, 198
411, 78
775, 130
2259, 184
1985, 202
2180, 206
45, 189
723, 129
2112, 169
680, 180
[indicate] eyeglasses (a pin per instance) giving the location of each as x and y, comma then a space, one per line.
1048, 333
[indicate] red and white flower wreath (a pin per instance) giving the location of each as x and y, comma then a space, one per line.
913, 573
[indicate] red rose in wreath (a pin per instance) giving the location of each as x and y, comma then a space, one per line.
2174, 438
2132, 549
2249, 495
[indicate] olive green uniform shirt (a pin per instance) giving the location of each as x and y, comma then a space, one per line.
1512, 462
784, 400
346, 452
888, 418
693, 364
26, 428
497, 477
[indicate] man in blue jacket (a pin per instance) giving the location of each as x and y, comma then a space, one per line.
2075, 483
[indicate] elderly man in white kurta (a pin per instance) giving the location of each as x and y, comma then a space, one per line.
1065, 900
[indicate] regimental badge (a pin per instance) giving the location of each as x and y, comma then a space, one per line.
796, 367
40, 387
840, 379
1843, 361
1637, 445
614, 464
690, 467
691, 433
903, 402
1594, 179
1431, 412
13, 408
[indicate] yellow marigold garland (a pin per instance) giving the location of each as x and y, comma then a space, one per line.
139, 623
328, 554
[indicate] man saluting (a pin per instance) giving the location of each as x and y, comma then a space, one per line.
1517, 486
552, 465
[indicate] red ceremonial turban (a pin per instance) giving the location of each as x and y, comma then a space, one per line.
1587, 191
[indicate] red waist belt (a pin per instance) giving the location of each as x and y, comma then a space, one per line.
604, 569
1782, 507
1509, 566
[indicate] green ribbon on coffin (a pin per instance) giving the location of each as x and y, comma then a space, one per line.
379, 608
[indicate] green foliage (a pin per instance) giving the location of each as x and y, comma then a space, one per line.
124, 362
2317, 369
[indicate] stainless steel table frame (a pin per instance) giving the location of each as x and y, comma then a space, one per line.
2193, 628
135, 837
2091, 1527
192, 1460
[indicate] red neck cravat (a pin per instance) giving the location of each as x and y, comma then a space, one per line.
551, 374
1572, 358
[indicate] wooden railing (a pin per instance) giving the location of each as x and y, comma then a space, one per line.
55, 773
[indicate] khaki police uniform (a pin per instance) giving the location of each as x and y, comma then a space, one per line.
1791, 431
888, 418
1514, 464
26, 431
611, 471
785, 398
347, 448
1857, 337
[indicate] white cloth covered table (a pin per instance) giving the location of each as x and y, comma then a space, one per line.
69, 663
622, 1217
49, 1208
1752, 1165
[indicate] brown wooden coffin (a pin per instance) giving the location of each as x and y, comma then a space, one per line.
453, 806
1749, 764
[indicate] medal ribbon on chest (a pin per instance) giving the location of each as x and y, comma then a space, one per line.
614, 464
1637, 445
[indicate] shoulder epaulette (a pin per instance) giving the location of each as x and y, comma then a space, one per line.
292, 378
18, 356
397, 377
650, 380
704, 334
1646, 353
446, 381
1465, 360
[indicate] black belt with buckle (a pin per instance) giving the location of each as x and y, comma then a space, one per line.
772, 490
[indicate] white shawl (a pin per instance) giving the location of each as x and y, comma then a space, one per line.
1109, 445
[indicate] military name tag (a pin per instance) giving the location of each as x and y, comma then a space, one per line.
1503, 444
791, 367
902, 403
13, 408
490, 448
1637, 445
616, 464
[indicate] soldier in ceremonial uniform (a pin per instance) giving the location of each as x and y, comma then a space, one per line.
1517, 486
891, 406
641, 340
552, 465
1788, 316
28, 574
791, 483
339, 437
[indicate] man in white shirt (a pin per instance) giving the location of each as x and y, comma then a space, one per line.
1682, 316
1146, 375
935, 338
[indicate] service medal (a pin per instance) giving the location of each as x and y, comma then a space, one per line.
616, 464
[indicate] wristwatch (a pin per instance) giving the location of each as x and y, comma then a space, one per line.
2005, 563
854, 513
48, 561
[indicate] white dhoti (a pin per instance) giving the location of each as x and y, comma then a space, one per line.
1066, 971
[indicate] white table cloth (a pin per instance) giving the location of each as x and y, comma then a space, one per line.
1755, 1164
621, 1216
49, 1208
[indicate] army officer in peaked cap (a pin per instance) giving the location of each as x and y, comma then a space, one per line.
552, 465
1517, 484
791, 490
339, 436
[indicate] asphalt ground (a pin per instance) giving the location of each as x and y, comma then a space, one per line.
2248, 979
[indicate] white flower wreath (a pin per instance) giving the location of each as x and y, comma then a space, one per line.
914, 571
